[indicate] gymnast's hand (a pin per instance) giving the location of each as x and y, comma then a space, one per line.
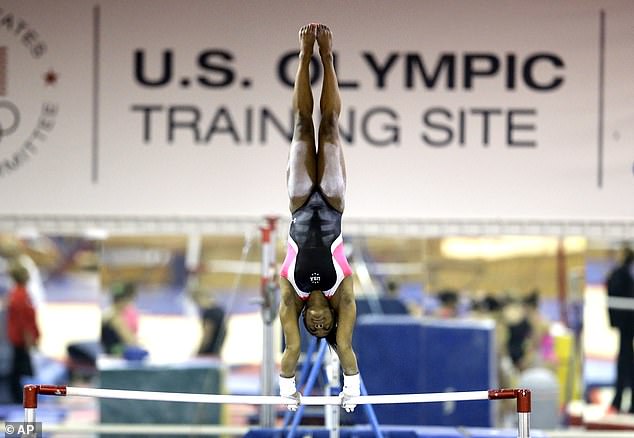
287, 389
351, 388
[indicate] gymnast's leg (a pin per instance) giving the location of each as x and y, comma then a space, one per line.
331, 169
301, 173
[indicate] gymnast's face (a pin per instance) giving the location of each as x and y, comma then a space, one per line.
319, 319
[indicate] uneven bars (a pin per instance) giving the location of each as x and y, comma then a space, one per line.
522, 396
31, 392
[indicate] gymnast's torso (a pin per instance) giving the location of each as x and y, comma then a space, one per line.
315, 258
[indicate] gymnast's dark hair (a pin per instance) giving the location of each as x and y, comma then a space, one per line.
331, 337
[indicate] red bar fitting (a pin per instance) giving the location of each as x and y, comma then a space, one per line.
523, 397
32, 391
52, 390
523, 400
30, 396
499, 394
266, 234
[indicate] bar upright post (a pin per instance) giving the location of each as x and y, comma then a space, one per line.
332, 412
29, 402
523, 413
267, 414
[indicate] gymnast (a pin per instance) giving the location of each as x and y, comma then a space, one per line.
315, 279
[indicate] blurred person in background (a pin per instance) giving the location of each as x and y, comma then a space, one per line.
519, 331
397, 304
120, 322
448, 304
540, 346
620, 284
491, 307
212, 318
22, 330
538, 365
488, 306
15, 250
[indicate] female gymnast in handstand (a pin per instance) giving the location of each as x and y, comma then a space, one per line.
316, 281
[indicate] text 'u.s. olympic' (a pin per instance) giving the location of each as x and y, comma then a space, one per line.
438, 126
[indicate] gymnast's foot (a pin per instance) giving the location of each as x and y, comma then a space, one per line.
307, 36
324, 40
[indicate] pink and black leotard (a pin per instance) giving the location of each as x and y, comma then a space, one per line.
315, 259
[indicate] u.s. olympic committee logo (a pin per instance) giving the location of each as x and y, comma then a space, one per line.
28, 108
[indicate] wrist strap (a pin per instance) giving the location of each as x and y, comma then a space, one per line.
353, 381
287, 386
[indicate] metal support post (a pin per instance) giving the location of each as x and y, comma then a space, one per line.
332, 413
523, 413
269, 313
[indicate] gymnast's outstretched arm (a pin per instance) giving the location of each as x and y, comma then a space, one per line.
290, 309
347, 314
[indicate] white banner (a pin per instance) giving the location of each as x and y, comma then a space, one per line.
452, 109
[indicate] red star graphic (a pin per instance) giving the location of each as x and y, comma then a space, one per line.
50, 78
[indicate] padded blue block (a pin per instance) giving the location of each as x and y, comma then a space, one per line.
459, 356
383, 305
388, 350
404, 354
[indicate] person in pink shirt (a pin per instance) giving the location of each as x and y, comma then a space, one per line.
120, 322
